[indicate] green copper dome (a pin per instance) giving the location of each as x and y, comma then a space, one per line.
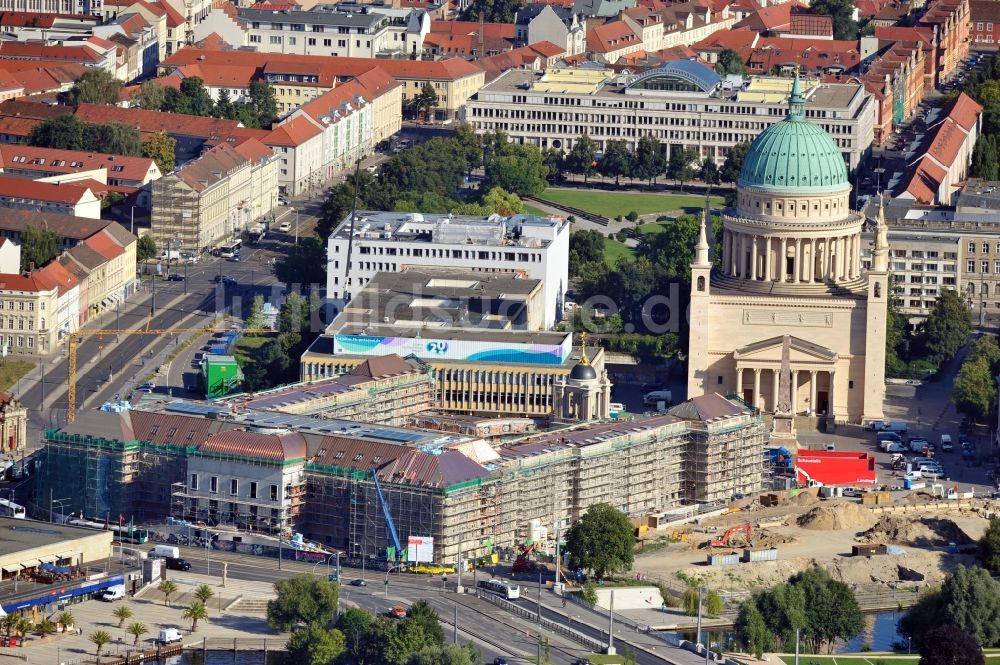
794, 154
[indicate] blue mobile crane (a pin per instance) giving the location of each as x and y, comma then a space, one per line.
388, 516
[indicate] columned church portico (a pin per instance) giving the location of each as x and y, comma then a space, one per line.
789, 279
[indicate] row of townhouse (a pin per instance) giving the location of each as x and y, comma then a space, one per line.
214, 197
454, 80
330, 133
42, 305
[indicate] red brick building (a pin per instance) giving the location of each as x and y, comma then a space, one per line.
985, 22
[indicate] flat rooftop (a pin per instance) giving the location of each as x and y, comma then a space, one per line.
583, 436
525, 230
452, 334
19, 535
762, 92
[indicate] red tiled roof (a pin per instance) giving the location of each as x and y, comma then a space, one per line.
490, 30
49, 52
965, 111
546, 49
158, 121
42, 20
985, 11
924, 182
225, 76
10, 282
56, 275
252, 149
41, 191
775, 17
105, 245
334, 100
898, 33
174, 18
30, 158
611, 37
293, 132
449, 69
728, 39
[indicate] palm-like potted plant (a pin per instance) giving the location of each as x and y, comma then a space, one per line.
66, 620
123, 614
99, 638
203, 593
195, 612
136, 630
167, 588
45, 627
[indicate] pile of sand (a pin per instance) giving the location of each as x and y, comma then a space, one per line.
836, 517
764, 539
919, 497
923, 532
805, 499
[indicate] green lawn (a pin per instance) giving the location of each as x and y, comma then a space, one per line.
12, 370
652, 228
611, 204
535, 211
614, 250
604, 659
246, 345
868, 659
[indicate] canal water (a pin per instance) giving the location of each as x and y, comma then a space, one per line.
881, 634
225, 658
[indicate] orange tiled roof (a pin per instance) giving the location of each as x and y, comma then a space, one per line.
68, 193
105, 245
611, 36
293, 132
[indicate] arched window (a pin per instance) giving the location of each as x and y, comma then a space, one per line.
878, 290
701, 282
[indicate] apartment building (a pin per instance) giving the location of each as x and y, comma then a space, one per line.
213, 197
984, 22
67, 199
28, 310
455, 80
115, 170
67, 312
683, 104
75, 7
137, 44
361, 34
922, 264
525, 245
559, 25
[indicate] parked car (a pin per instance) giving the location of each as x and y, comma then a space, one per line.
177, 564
151, 385
359, 582
946, 445
225, 280
396, 612
285, 227
174, 277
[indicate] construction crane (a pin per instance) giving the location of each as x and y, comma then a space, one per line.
388, 515
73, 341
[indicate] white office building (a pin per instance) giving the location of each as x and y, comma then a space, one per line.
521, 245
683, 104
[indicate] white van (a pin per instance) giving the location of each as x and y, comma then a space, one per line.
898, 427
169, 636
166, 552
615, 408
111, 594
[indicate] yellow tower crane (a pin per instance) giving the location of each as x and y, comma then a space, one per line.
73, 342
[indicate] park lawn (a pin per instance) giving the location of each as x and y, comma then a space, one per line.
614, 250
652, 228
604, 659
611, 204
536, 211
12, 370
246, 345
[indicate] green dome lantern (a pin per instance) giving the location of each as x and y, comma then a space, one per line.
794, 155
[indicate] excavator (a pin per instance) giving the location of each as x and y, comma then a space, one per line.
523, 564
735, 536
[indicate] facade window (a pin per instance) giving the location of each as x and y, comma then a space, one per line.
194, 481
213, 484
985, 267
970, 266
234, 487
253, 490
972, 248
986, 248
274, 492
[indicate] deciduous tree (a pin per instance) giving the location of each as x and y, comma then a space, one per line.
145, 248
950, 645
734, 162
581, 157
601, 541
649, 162
64, 132
315, 645
617, 161
94, 86
730, 62
160, 148
948, 327
841, 12
303, 598
989, 546
681, 165
303, 263
38, 247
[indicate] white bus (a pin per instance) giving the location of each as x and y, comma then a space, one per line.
502, 589
10, 509
229, 250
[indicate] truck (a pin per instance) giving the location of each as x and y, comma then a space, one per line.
817, 468
166, 552
256, 233
170, 255
168, 636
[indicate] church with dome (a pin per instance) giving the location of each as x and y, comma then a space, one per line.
785, 318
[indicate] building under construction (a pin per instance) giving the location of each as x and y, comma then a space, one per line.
367, 489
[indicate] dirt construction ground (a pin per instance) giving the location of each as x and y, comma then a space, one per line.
806, 531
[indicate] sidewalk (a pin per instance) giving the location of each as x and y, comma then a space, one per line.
148, 608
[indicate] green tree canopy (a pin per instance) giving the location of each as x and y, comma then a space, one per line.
730, 62
426, 100
64, 132
752, 630
709, 172
832, 612
520, 169
985, 158
585, 246
448, 654
303, 263
38, 247
145, 248
841, 12
115, 138
94, 86
969, 599
649, 163
601, 541
580, 159
734, 162
200, 102
424, 615
160, 148
948, 326
315, 645
303, 599
150, 96
616, 162
263, 103
989, 546
950, 645
493, 11
975, 390
681, 165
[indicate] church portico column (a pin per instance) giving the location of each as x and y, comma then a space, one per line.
767, 259
797, 264
727, 248
753, 257
856, 265
812, 391
756, 387
795, 390
841, 262
830, 413
783, 261
811, 265
739, 381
